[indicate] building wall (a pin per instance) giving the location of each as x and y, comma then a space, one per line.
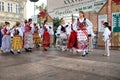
13, 16
115, 41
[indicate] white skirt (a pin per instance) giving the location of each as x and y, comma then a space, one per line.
6, 43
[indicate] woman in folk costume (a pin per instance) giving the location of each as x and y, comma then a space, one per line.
64, 39
58, 40
46, 37
106, 38
6, 40
82, 34
72, 42
36, 37
28, 38
17, 39
51, 32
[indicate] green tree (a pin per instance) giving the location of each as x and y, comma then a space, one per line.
56, 22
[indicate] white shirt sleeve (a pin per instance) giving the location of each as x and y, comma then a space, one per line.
32, 28
59, 30
8, 30
68, 30
75, 25
2, 31
90, 26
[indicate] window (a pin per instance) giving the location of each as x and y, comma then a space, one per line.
17, 9
1, 6
9, 7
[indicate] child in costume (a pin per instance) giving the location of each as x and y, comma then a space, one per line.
46, 37
36, 37
28, 37
17, 39
64, 39
6, 40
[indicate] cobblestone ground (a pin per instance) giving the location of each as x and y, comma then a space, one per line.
56, 65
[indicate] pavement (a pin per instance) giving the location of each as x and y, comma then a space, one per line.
57, 65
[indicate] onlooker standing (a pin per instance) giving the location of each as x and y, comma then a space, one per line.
106, 38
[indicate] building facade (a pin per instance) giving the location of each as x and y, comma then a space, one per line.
97, 11
12, 11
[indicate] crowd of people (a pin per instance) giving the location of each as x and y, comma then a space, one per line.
76, 37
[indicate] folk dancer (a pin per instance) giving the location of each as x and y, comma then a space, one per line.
28, 37
36, 37
82, 24
51, 32
17, 39
64, 39
59, 31
6, 40
46, 37
72, 42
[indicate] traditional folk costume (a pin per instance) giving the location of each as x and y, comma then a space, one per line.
82, 35
36, 37
72, 42
17, 40
6, 40
106, 38
51, 32
46, 39
64, 39
28, 39
60, 35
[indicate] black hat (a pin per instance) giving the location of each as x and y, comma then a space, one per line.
106, 24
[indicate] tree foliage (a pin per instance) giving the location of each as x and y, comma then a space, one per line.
56, 22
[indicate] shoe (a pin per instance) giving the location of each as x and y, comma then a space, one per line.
83, 55
108, 55
26, 50
11, 51
18, 52
104, 54
45, 49
86, 53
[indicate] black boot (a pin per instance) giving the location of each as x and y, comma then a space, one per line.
12, 52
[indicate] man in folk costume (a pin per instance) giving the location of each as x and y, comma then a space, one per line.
72, 42
36, 37
6, 40
81, 26
17, 39
28, 37
46, 36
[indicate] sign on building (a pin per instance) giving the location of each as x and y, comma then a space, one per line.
101, 20
65, 7
116, 22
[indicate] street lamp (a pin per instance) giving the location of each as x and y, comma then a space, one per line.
34, 0
34, 4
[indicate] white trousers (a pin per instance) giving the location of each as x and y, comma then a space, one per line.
107, 50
